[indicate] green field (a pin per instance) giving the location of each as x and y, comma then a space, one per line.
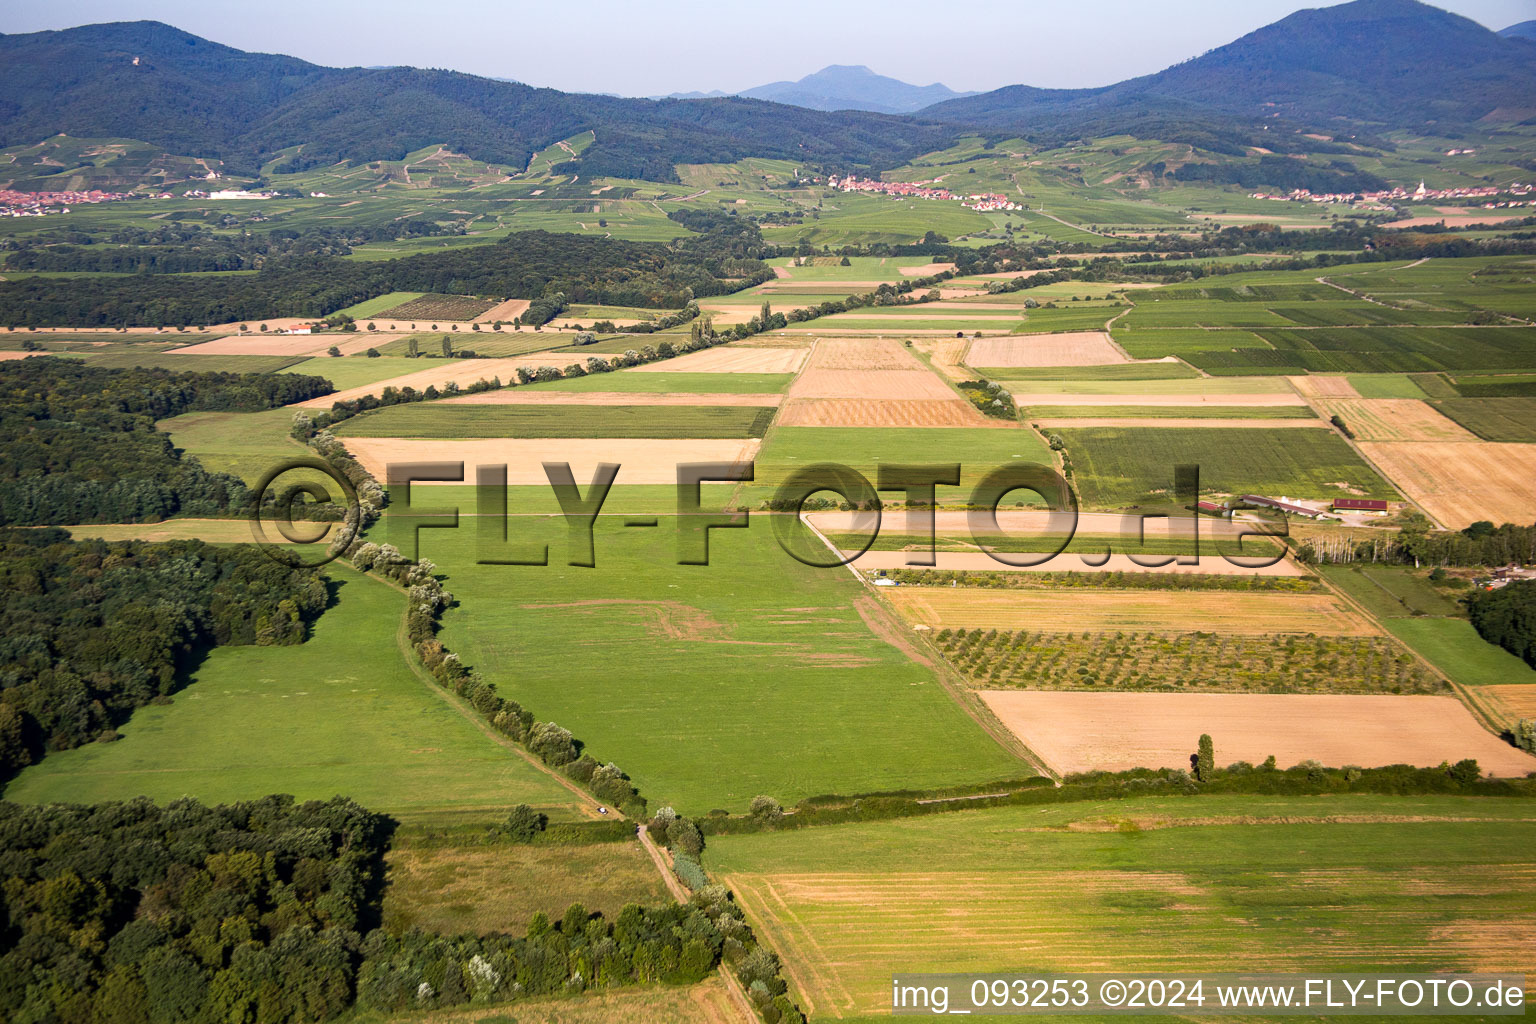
1453, 646
123, 358
641, 382
1209, 884
1127, 465
1127, 372
246, 444
978, 451
1198, 412
1386, 385
1494, 419
1391, 591
355, 371
482, 343
709, 684
339, 714
440, 420
378, 304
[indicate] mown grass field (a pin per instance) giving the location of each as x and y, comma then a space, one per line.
1453, 646
1431, 622
1125, 465
1346, 883
496, 887
710, 684
436, 420
1128, 373
339, 714
246, 444
379, 304
978, 451
355, 371
123, 357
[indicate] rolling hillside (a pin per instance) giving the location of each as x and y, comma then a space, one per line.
1382, 63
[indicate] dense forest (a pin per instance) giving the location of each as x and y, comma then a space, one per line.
193, 248
91, 630
528, 265
1284, 173
1507, 617
129, 912
266, 912
78, 443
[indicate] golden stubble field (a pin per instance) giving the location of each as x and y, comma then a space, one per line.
843, 933
1460, 483
1075, 731
1395, 419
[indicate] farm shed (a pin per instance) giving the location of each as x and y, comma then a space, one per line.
1360, 506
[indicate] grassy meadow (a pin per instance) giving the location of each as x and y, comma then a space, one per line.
342, 713
709, 684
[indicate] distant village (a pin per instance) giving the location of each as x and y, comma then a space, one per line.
39, 204
922, 190
1384, 200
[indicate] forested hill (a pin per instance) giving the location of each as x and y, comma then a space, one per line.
1384, 63
526, 265
149, 81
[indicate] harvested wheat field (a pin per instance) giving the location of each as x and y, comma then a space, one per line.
1246, 401
462, 372
980, 561
643, 460
1324, 387
1461, 483
861, 354
926, 270
730, 359
877, 412
1169, 611
524, 396
1174, 421
878, 385
1081, 348
1079, 732
506, 311
948, 357
284, 345
8, 356
1518, 699
1396, 419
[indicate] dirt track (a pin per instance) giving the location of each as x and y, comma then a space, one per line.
1115, 731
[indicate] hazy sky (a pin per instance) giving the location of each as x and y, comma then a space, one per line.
649, 48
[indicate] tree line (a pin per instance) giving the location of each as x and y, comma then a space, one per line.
1507, 617
91, 630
